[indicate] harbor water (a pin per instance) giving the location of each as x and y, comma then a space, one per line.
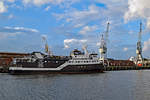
111, 85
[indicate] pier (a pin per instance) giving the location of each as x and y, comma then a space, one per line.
117, 68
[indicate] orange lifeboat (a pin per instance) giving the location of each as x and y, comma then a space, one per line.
140, 65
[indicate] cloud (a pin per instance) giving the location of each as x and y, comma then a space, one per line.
7, 31
3, 8
44, 36
69, 42
125, 49
98, 44
4, 35
11, 1
43, 2
87, 29
138, 9
79, 17
115, 7
146, 46
19, 39
78, 25
10, 16
113, 12
36, 2
47, 8
21, 29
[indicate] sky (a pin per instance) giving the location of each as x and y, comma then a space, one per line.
69, 24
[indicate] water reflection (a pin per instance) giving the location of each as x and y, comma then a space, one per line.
142, 86
119, 85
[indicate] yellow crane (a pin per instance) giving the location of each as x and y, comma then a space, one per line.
47, 50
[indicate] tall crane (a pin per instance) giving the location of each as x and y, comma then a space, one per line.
47, 50
103, 44
106, 33
103, 48
139, 46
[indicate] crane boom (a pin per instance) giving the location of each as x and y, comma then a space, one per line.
106, 33
140, 33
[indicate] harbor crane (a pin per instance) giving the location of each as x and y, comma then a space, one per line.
139, 58
103, 44
47, 50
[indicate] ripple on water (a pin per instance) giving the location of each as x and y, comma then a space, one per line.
119, 85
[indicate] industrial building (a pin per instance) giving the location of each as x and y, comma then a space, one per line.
7, 57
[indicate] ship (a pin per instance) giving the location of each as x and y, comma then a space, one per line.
77, 62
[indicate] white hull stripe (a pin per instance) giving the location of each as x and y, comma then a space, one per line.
50, 69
